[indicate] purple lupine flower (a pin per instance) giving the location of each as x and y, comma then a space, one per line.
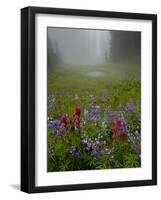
97, 114
133, 139
97, 142
52, 104
127, 128
50, 96
111, 114
95, 154
102, 151
129, 107
105, 116
55, 125
87, 142
92, 112
104, 142
85, 116
123, 119
74, 152
109, 152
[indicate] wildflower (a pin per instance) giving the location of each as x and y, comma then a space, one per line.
77, 118
85, 116
55, 125
129, 107
127, 128
92, 112
74, 152
115, 132
102, 151
97, 114
104, 142
105, 116
119, 130
87, 142
64, 122
52, 105
123, 134
96, 154
119, 122
97, 142
109, 152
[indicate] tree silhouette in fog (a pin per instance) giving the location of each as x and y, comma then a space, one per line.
125, 46
53, 53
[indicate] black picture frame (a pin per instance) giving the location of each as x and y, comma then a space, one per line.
28, 98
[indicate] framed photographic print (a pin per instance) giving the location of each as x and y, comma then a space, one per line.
88, 99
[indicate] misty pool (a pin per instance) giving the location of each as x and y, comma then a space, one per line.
95, 74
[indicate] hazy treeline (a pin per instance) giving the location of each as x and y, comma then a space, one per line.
91, 47
125, 45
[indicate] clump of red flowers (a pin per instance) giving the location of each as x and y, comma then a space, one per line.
77, 117
64, 122
118, 131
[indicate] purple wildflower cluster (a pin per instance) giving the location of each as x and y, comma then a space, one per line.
52, 104
129, 107
113, 115
85, 116
56, 127
87, 142
95, 147
95, 113
74, 152
134, 139
99, 147
49, 96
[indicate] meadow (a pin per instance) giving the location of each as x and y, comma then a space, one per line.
94, 117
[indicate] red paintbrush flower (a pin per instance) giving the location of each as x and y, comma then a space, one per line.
64, 121
119, 122
77, 117
115, 129
123, 135
115, 132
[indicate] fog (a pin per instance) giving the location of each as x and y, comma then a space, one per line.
92, 47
